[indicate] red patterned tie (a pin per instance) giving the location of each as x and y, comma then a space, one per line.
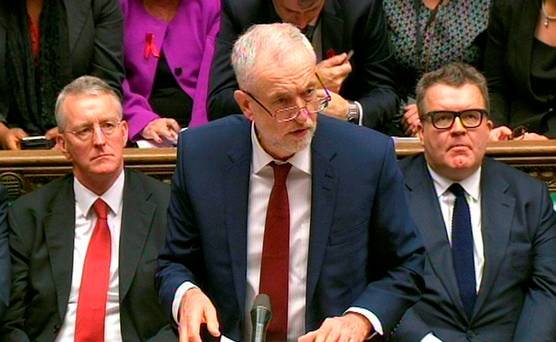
91, 305
276, 252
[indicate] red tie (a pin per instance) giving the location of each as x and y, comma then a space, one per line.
276, 252
91, 305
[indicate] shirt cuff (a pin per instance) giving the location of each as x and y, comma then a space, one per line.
177, 299
430, 338
375, 322
360, 109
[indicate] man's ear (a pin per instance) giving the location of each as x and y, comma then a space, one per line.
490, 125
62, 146
244, 103
420, 133
125, 128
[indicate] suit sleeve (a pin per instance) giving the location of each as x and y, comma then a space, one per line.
13, 325
378, 99
5, 269
494, 62
107, 61
137, 112
180, 260
411, 328
223, 82
396, 251
538, 313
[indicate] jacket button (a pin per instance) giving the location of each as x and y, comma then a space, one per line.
178, 71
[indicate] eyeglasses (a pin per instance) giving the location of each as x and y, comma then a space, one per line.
285, 114
443, 119
107, 128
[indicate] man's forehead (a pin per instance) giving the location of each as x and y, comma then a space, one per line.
283, 87
83, 108
445, 94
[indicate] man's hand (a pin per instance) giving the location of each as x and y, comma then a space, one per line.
410, 121
52, 133
531, 136
352, 327
161, 128
500, 133
333, 71
196, 309
10, 138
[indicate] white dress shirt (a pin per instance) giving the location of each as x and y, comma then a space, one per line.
298, 184
85, 219
472, 187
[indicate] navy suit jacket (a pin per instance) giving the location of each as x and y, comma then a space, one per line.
42, 231
364, 249
345, 25
517, 296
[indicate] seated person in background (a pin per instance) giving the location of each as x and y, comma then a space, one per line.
343, 266
168, 47
5, 275
489, 229
427, 34
84, 247
520, 65
361, 86
44, 44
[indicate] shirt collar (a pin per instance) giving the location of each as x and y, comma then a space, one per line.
300, 160
471, 184
85, 198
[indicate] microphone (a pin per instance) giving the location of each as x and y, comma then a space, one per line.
261, 314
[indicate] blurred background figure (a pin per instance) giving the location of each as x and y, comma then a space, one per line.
350, 40
520, 65
427, 34
44, 44
169, 46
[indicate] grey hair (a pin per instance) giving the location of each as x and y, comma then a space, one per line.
275, 41
86, 86
455, 75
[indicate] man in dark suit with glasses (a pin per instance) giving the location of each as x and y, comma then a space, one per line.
285, 201
489, 229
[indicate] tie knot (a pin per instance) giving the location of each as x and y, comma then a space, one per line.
457, 190
281, 172
101, 209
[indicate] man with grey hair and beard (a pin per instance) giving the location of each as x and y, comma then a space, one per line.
284, 201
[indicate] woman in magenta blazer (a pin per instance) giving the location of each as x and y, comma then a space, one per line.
168, 50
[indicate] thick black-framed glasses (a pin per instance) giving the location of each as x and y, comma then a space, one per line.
285, 114
444, 119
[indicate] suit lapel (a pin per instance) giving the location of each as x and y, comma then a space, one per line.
332, 28
497, 209
136, 224
76, 12
324, 187
428, 217
236, 198
59, 230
